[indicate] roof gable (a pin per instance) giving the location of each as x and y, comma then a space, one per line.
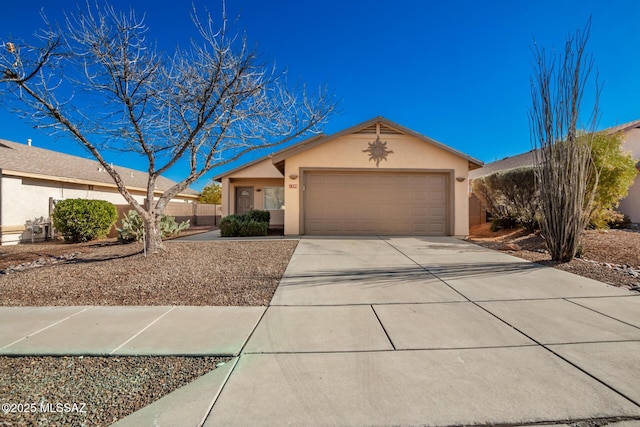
376, 126
259, 168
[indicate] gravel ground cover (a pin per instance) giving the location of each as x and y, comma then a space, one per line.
103, 389
611, 256
108, 273
229, 273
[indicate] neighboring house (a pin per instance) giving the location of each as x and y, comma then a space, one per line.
32, 178
629, 206
376, 178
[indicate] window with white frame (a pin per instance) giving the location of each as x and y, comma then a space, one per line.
273, 198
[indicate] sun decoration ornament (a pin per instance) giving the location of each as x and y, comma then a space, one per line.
377, 151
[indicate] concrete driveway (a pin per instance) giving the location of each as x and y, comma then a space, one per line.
434, 331
423, 331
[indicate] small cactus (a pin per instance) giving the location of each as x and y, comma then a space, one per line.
132, 229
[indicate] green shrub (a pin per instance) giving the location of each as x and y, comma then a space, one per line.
132, 229
253, 228
80, 220
253, 223
616, 173
256, 215
230, 226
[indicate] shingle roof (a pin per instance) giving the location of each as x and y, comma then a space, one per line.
28, 159
520, 160
528, 158
623, 127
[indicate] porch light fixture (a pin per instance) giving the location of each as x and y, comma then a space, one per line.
293, 176
460, 178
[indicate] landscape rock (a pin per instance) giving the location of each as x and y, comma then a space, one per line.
510, 247
40, 262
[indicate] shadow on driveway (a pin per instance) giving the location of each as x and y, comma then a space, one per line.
399, 275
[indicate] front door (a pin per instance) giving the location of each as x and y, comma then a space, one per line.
244, 200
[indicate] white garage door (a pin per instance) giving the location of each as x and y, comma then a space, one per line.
376, 203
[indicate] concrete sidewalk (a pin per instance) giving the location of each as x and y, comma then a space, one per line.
131, 331
380, 331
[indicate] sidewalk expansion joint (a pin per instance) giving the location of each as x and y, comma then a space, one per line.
143, 329
399, 350
217, 395
545, 346
383, 328
371, 303
46, 327
603, 314
233, 368
427, 271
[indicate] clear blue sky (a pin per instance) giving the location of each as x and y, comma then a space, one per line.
456, 71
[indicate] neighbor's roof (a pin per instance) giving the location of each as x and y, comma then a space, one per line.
518, 161
29, 161
528, 158
387, 126
623, 127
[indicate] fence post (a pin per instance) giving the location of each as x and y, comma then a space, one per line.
194, 213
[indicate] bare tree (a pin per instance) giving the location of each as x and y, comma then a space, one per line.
99, 79
564, 165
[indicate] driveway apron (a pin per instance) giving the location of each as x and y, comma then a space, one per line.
434, 331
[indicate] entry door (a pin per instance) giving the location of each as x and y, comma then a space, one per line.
244, 200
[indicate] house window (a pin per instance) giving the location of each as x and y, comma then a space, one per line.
273, 198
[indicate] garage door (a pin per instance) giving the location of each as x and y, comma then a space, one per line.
339, 203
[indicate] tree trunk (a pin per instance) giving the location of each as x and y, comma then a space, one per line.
153, 238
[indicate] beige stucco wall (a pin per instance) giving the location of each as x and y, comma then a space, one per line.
25, 199
630, 205
346, 152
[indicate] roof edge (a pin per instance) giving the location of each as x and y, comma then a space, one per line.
9, 172
311, 142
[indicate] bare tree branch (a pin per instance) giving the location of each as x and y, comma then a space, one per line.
101, 81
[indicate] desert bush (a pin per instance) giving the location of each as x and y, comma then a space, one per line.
132, 229
616, 173
253, 228
80, 220
510, 197
253, 223
230, 226
618, 220
257, 215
